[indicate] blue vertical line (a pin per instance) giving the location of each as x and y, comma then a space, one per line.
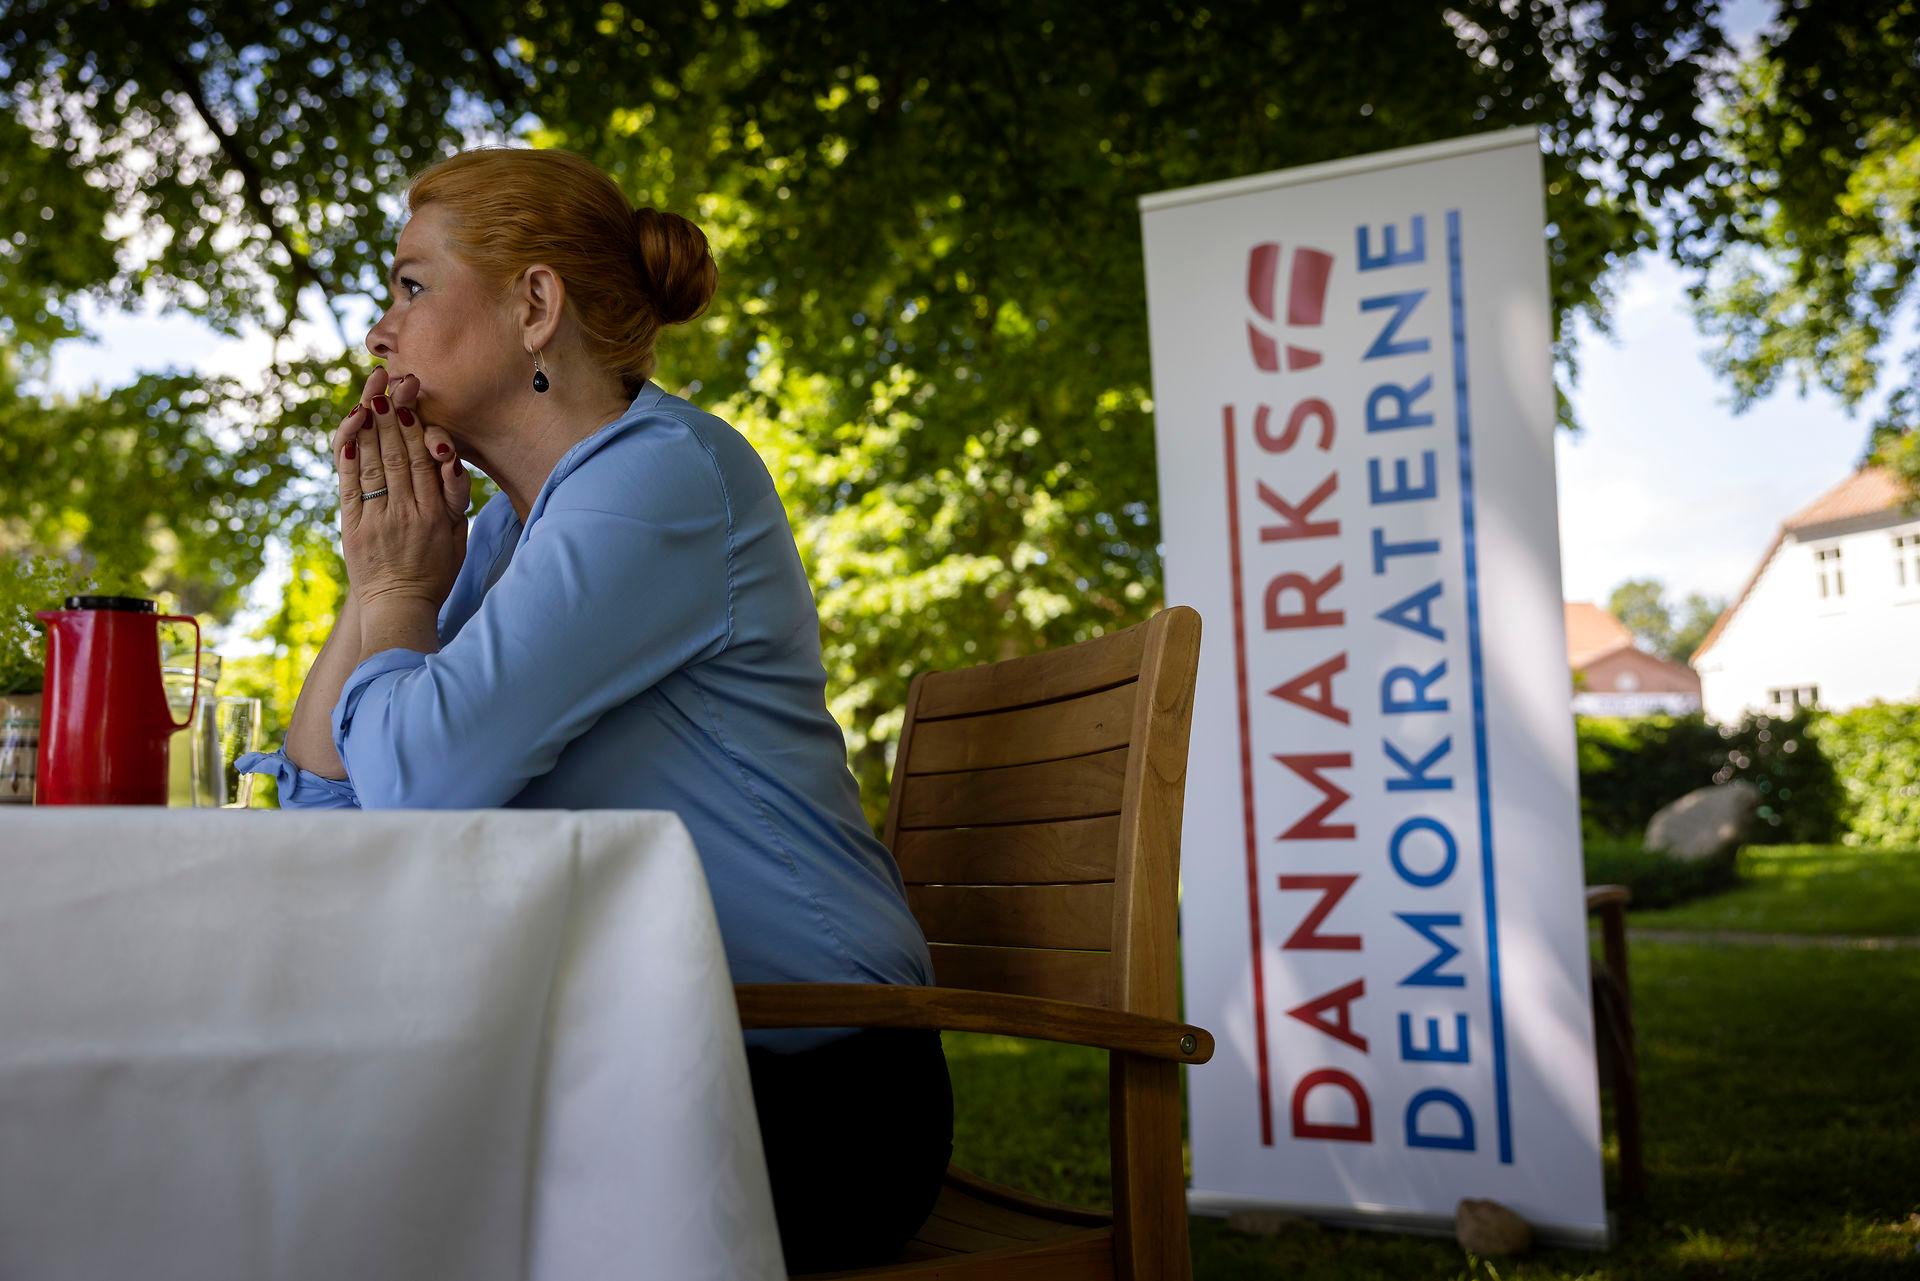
1472, 553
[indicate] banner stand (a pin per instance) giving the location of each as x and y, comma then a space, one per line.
1383, 916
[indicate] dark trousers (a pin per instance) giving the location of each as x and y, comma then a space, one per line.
858, 1133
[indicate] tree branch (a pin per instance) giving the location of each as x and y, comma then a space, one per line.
504, 86
253, 186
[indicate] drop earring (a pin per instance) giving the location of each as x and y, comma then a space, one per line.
540, 382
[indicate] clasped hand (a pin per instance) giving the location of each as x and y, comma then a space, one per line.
403, 497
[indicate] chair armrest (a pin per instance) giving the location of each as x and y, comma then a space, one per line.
774, 1005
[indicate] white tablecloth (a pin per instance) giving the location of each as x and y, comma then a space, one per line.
353, 1046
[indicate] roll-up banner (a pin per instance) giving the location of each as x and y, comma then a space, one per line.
1383, 920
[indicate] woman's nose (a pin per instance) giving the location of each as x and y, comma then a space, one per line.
378, 344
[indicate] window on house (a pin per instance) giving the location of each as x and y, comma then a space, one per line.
1787, 699
1826, 564
1906, 560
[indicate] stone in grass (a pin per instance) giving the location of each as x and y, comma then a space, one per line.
1268, 1223
1706, 825
1487, 1228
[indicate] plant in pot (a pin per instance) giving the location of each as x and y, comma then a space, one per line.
27, 583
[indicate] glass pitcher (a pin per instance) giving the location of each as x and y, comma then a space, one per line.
193, 753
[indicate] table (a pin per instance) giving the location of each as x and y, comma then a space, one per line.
476, 1045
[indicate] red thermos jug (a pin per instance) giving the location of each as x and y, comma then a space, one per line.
104, 719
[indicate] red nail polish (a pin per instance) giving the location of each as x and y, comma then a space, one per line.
441, 451
352, 450
406, 415
381, 405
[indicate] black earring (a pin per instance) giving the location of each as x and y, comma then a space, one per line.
540, 382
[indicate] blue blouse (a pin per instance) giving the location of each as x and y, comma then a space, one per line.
647, 640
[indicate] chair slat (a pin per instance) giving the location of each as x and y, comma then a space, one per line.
1071, 727
1086, 1255
1080, 849
915, 1252
958, 1205
967, 1237
1064, 916
1036, 678
973, 1186
1024, 971
1082, 787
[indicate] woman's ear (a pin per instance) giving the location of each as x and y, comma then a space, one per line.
537, 302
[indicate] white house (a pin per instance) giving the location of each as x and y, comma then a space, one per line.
1832, 614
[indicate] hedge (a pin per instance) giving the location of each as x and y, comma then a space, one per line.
1657, 880
1631, 767
1875, 751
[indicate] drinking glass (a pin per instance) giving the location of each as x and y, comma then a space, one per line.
236, 724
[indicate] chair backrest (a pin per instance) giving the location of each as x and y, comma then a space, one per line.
1035, 816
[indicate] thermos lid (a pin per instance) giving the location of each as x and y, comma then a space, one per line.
131, 604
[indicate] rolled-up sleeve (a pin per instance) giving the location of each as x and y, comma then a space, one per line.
300, 789
596, 608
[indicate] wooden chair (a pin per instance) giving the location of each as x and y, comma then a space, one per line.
1035, 815
1613, 1032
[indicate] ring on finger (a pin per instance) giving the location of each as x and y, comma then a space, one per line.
373, 493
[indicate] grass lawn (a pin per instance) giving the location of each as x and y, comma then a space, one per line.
1781, 1091
1808, 889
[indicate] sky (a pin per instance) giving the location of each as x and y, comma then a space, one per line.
1665, 481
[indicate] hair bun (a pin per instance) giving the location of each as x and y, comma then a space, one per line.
677, 263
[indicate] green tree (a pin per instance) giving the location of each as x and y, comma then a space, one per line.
931, 319
1807, 228
1641, 605
1693, 618
1670, 629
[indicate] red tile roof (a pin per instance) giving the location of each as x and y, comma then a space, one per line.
1592, 633
1866, 492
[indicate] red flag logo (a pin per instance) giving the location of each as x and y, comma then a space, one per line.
1306, 302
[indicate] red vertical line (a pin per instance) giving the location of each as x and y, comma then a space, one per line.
1246, 781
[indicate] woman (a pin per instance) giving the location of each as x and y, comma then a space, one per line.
627, 625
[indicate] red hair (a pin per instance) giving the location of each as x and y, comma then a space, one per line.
629, 272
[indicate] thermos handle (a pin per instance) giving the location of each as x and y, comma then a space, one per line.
195, 703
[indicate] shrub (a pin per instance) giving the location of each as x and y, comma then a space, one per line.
1875, 750
1630, 768
27, 584
1800, 796
1655, 879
